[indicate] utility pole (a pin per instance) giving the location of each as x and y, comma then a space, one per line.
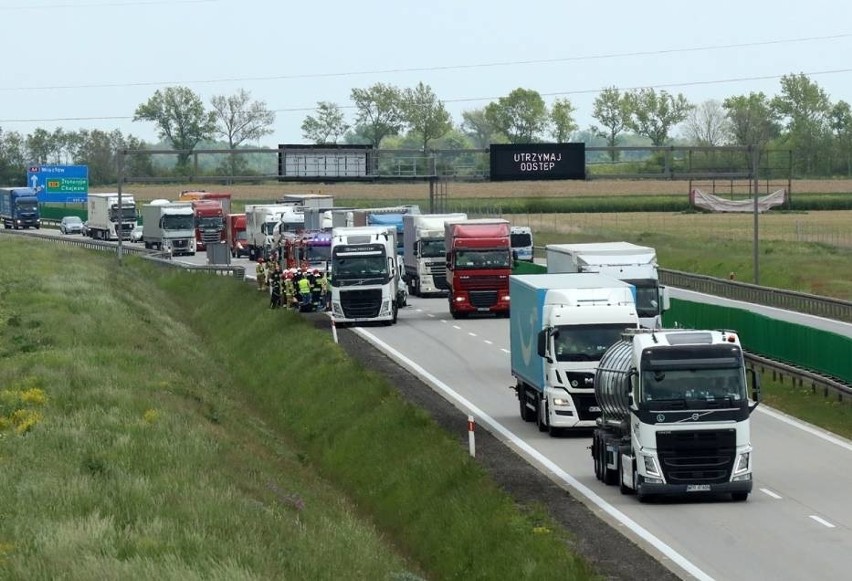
120, 160
755, 159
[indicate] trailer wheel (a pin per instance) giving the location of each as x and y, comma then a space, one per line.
526, 414
596, 456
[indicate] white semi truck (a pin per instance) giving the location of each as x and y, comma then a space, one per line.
675, 414
106, 221
634, 264
559, 327
261, 221
365, 281
425, 254
169, 226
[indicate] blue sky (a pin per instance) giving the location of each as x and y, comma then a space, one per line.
90, 63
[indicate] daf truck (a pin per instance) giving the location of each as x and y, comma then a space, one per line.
209, 222
675, 414
169, 227
235, 234
631, 263
424, 252
19, 208
560, 326
106, 221
364, 276
479, 263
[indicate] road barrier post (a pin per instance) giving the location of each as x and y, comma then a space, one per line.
471, 437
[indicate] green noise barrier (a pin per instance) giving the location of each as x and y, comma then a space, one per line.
814, 349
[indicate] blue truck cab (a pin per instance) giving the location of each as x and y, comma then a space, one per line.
19, 208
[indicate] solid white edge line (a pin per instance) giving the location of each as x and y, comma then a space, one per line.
768, 492
822, 521
791, 421
495, 426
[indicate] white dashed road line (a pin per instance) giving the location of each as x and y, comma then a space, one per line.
768, 492
822, 521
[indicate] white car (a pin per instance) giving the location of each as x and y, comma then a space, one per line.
136, 234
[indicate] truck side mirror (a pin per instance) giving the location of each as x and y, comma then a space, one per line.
449, 256
542, 345
754, 376
664, 299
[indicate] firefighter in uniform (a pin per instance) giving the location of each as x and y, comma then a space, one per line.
275, 286
289, 289
260, 271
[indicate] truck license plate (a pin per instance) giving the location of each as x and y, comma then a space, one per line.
698, 488
594, 408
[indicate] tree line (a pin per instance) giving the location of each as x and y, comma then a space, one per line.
801, 117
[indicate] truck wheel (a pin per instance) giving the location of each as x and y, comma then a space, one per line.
526, 414
596, 456
739, 496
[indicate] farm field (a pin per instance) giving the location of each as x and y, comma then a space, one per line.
415, 192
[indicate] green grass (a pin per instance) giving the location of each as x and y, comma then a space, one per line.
156, 424
813, 406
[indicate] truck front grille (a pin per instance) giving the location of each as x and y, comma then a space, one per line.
585, 402
181, 244
697, 456
484, 282
210, 237
483, 299
361, 304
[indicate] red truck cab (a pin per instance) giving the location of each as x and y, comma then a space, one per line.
235, 235
479, 262
209, 222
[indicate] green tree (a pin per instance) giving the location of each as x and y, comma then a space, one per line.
425, 114
653, 115
480, 131
752, 118
328, 125
562, 120
98, 150
13, 158
379, 111
238, 120
45, 147
612, 110
840, 121
707, 125
180, 118
521, 116
804, 108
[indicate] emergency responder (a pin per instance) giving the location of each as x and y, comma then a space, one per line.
260, 271
289, 289
304, 291
316, 289
275, 287
327, 277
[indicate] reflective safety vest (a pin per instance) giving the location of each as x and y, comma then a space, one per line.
304, 286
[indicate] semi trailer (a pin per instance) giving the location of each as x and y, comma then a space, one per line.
424, 253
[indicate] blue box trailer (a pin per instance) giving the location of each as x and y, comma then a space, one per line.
19, 208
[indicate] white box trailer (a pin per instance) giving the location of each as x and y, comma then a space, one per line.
106, 221
424, 252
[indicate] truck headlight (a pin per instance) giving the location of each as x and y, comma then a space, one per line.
335, 308
561, 401
651, 466
742, 464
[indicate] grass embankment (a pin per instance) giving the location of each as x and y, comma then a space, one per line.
163, 425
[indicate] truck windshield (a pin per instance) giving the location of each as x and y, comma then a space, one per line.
704, 385
585, 342
318, 254
432, 248
178, 222
128, 214
27, 206
210, 223
353, 266
498, 258
647, 297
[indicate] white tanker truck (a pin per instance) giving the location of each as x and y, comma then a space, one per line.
675, 414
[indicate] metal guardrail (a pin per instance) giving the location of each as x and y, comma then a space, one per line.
825, 384
163, 258
805, 303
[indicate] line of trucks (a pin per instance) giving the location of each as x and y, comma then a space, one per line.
668, 408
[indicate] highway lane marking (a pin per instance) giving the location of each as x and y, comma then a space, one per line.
471, 334
456, 327
822, 521
430, 315
493, 425
487, 342
790, 421
768, 492
505, 351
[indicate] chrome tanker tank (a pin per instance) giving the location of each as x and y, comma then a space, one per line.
612, 382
